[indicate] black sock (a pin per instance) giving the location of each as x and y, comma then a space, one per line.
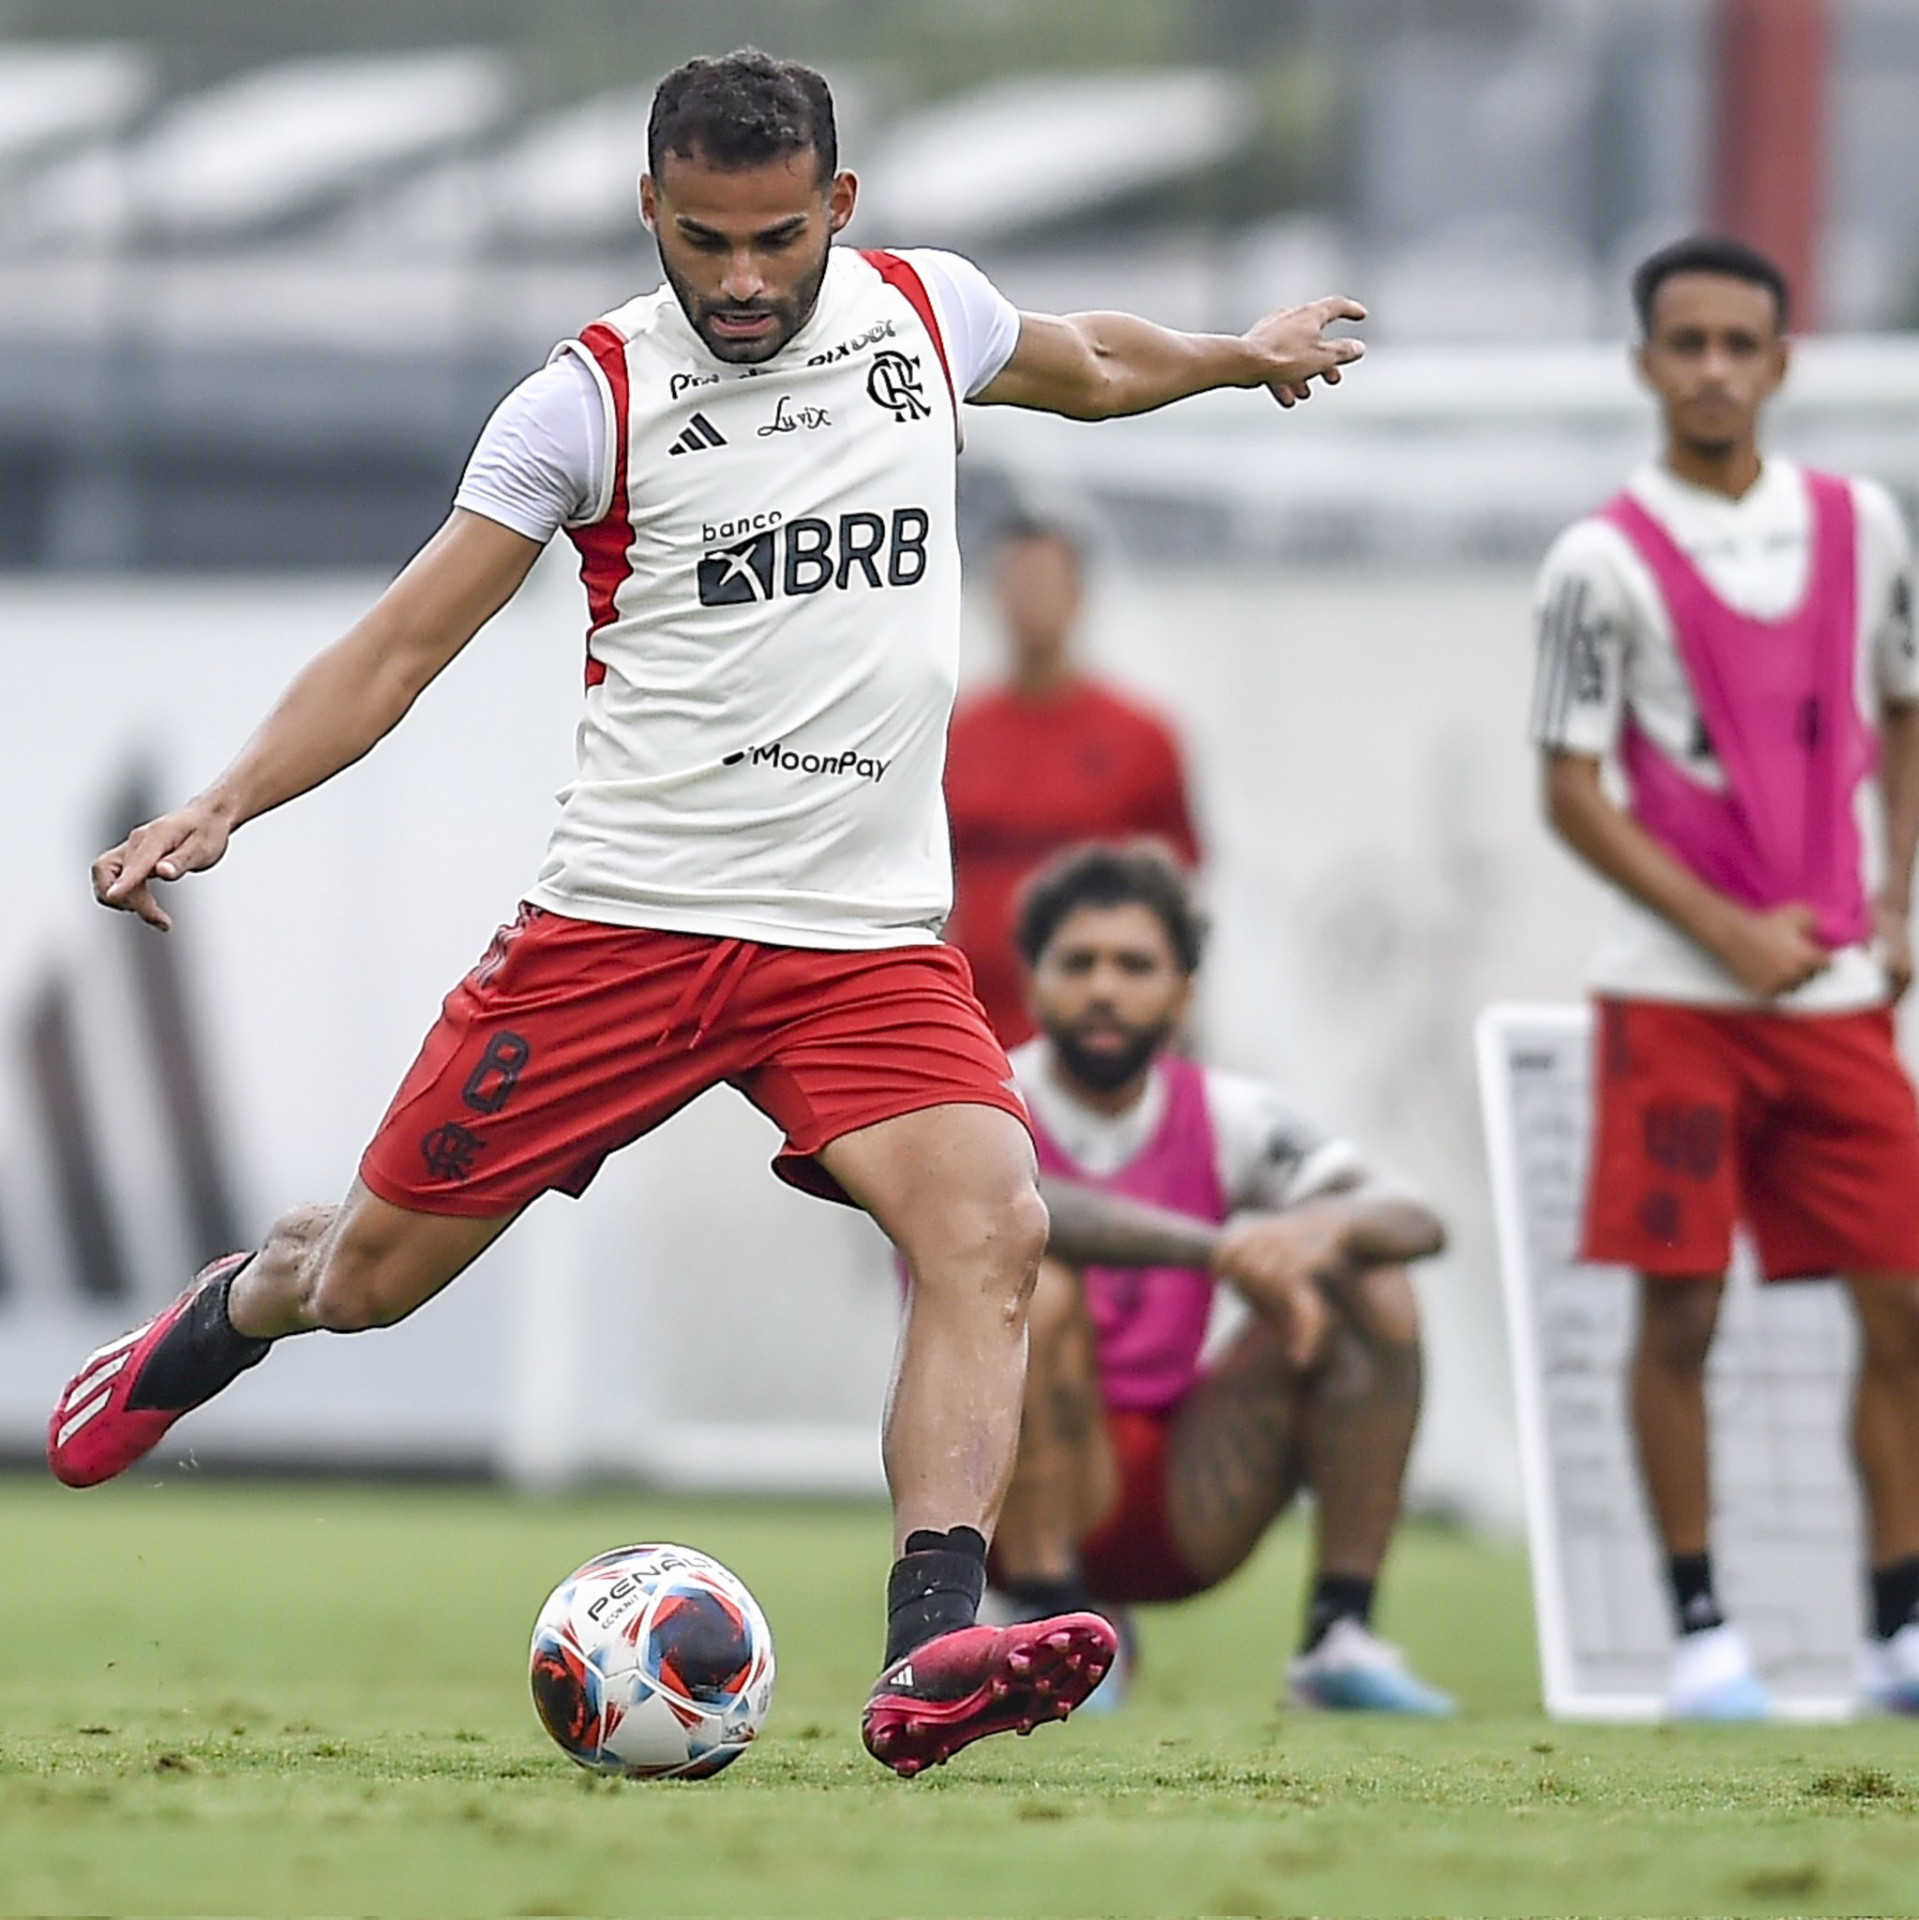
1336, 1596
200, 1354
1895, 1596
935, 1587
1694, 1607
1040, 1599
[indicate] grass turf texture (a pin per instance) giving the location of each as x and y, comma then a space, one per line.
227, 1698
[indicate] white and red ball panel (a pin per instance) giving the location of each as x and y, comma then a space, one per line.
652, 1661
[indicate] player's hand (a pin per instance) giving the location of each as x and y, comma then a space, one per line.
1291, 349
1275, 1259
1776, 951
187, 840
1892, 936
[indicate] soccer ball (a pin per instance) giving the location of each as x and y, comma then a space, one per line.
654, 1662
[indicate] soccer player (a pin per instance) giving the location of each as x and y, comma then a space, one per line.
1736, 631
1146, 1472
1052, 758
748, 875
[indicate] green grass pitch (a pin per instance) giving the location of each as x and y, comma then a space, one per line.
307, 1699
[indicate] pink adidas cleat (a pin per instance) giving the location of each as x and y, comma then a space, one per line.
100, 1427
976, 1681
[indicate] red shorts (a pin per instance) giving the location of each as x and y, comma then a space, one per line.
571, 1039
1130, 1555
1801, 1127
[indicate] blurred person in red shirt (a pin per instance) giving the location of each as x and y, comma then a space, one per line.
1047, 759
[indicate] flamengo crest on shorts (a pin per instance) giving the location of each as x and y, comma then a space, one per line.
772, 578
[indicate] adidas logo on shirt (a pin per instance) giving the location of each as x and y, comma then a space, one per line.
700, 434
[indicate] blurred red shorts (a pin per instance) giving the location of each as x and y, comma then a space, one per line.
1800, 1127
1130, 1555
571, 1038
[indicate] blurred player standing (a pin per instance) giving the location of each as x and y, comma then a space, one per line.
1052, 758
1147, 1472
749, 873
1737, 631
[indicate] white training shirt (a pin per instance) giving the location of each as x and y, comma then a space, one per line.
1606, 645
539, 460
1270, 1156
773, 588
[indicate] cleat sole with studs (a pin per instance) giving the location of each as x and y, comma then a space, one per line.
1021, 1677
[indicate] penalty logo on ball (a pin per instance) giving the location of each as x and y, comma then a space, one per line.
653, 1662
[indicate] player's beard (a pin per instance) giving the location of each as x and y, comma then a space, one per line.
790, 314
1103, 1069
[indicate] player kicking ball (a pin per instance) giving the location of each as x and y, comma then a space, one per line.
749, 873
1147, 1472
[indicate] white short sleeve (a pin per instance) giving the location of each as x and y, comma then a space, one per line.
537, 465
1885, 551
1270, 1155
981, 325
1580, 619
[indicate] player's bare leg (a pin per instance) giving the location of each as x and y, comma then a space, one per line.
1360, 1420
1065, 1476
1668, 1393
1256, 1428
1065, 1479
1885, 1434
344, 1269
1234, 1459
1885, 1413
1712, 1676
955, 1189
1361, 1412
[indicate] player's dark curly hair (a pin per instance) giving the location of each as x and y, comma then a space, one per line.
1099, 874
1708, 253
742, 110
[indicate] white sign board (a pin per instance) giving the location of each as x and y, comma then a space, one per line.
1786, 1543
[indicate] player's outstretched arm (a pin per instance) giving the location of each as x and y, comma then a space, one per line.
339, 706
1098, 366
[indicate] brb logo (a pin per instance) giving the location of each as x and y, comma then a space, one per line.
785, 559
894, 383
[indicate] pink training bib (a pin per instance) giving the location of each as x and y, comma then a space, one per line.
1150, 1323
1780, 705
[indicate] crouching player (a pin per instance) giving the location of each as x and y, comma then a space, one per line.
1145, 1472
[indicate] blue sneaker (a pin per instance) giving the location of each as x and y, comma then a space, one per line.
1713, 1678
1353, 1671
1889, 1672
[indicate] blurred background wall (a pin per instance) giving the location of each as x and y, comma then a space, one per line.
264, 271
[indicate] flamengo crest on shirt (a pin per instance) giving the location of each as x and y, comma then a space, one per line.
894, 383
